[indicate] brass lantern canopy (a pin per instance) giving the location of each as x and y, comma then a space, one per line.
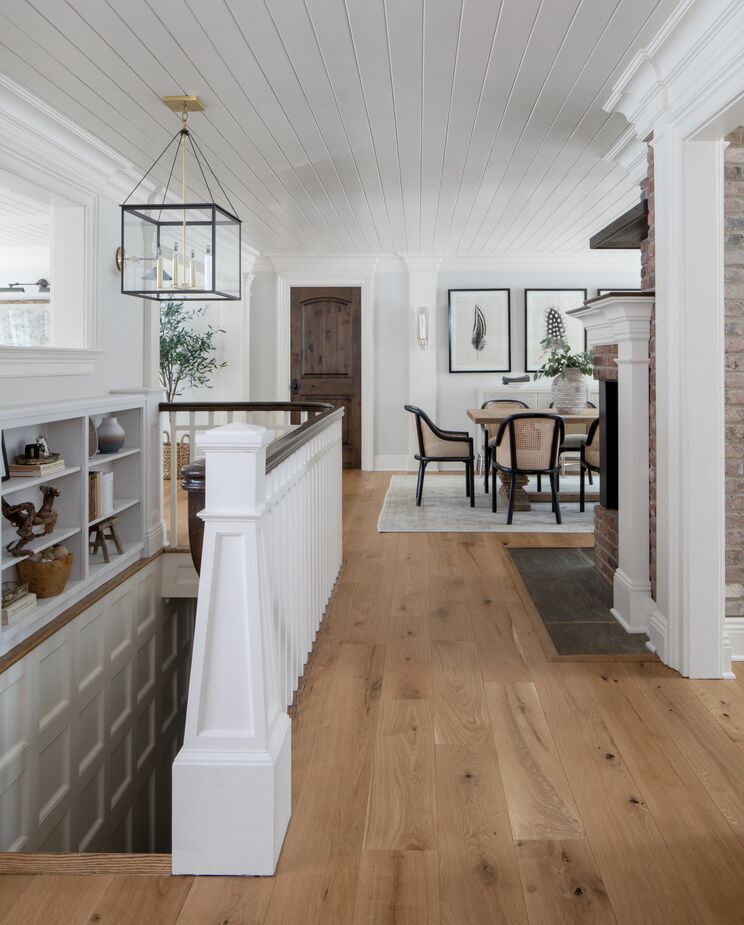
181, 251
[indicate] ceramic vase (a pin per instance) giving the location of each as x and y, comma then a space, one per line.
570, 393
111, 436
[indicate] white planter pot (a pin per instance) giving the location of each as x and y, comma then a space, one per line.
570, 393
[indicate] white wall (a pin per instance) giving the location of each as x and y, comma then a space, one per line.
458, 391
455, 391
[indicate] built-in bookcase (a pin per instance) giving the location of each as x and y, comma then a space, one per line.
66, 428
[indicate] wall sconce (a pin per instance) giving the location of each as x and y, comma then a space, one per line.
422, 327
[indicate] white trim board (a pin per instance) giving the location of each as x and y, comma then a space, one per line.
361, 277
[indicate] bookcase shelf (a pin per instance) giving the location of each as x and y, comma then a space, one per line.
66, 426
120, 505
100, 459
21, 482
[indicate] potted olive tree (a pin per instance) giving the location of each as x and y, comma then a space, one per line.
567, 369
187, 359
187, 355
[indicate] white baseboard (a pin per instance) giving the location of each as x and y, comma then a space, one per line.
733, 627
657, 630
394, 463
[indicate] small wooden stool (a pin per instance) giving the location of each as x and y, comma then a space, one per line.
97, 536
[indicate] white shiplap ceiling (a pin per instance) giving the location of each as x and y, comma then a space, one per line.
398, 126
24, 222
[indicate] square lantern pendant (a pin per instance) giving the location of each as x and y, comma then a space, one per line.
181, 251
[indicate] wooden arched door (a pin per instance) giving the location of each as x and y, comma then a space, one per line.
327, 356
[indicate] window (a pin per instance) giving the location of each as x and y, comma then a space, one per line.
42, 267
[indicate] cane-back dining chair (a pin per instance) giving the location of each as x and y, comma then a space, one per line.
589, 458
489, 430
437, 445
527, 444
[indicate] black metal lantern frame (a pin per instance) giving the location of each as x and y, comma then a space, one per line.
187, 251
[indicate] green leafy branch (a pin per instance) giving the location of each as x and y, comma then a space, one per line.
187, 356
560, 359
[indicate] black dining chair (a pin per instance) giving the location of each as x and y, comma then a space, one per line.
528, 444
437, 445
489, 430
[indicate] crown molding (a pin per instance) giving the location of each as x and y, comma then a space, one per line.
36, 134
697, 47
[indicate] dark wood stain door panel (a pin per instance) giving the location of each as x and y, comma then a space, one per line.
326, 356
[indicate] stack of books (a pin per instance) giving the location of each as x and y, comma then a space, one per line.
37, 469
100, 494
20, 605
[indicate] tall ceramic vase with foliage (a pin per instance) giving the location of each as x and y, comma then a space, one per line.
567, 370
187, 354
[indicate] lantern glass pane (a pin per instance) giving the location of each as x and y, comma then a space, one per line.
170, 252
227, 250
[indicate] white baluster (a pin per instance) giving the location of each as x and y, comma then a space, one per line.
173, 487
231, 779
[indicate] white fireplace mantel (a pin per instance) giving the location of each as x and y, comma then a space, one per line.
625, 319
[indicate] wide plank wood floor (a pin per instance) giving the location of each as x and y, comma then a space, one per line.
446, 770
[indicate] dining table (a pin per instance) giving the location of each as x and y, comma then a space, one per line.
492, 415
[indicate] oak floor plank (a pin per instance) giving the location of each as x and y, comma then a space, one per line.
541, 804
494, 633
714, 757
448, 609
58, 900
301, 878
344, 733
460, 709
236, 900
11, 887
134, 900
638, 871
479, 880
408, 670
562, 884
725, 701
684, 813
397, 888
402, 805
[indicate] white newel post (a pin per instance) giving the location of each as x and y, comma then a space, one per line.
625, 321
231, 779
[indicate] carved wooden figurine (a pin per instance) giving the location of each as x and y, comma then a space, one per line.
25, 517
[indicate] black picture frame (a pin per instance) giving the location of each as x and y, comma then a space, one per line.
4, 471
459, 367
581, 295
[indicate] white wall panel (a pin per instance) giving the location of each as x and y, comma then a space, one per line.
90, 721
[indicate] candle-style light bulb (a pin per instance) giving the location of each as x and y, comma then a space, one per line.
208, 267
176, 274
192, 270
159, 269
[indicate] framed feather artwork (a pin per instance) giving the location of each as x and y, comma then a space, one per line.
545, 317
479, 331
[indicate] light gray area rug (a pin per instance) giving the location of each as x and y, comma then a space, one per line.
445, 509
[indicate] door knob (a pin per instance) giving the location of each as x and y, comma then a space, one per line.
295, 385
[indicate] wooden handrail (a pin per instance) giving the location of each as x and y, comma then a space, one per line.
193, 476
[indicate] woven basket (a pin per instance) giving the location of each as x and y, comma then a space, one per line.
183, 454
46, 579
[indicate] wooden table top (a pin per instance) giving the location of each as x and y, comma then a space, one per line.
493, 414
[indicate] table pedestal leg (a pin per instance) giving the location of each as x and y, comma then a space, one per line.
521, 498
